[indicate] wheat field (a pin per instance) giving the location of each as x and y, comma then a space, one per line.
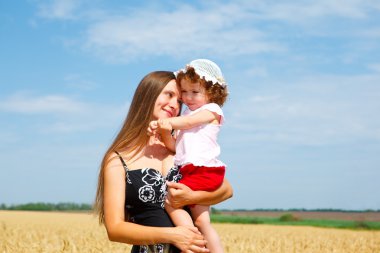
31, 232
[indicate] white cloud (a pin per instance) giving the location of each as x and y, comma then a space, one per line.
315, 111
184, 31
97, 117
220, 30
63, 114
232, 29
294, 11
80, 82
375, 67
257, 72
59, 9
7, 136
25, 103
370, 32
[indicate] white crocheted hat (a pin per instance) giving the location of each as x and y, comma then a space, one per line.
206, 69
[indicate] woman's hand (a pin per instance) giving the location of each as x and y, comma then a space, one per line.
179, 195
152, 129
189, 240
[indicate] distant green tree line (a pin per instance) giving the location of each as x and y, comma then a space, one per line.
69, 206
296, 210
41, 206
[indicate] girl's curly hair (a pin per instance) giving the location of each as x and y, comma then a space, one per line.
216, 93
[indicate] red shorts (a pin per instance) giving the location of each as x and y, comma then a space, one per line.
202, 178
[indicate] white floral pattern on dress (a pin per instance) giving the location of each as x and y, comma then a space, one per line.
156, 248
152, 177
146, 193
128, 179
161, 198
160, 248
153, 191
143, 249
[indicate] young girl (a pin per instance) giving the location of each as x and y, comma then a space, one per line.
203, 91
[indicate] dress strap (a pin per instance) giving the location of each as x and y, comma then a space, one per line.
122, 161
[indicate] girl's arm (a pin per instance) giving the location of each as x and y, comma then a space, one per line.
180, 195
165, 130
121, 231
190, 121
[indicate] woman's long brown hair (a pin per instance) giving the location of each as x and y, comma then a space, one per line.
132, 137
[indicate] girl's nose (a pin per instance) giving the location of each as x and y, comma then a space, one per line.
187, 96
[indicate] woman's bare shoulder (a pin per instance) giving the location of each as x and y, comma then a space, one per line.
114, 164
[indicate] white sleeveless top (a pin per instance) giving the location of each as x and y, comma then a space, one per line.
199, 145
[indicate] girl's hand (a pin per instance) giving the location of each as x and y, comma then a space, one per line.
189, 240
179, 195
152, 129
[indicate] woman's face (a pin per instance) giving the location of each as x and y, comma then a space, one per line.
167, 103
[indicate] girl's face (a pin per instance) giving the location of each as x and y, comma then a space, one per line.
167, 103
193, 95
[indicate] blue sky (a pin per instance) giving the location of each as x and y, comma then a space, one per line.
302, 120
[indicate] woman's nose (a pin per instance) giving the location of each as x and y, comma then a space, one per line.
174, 103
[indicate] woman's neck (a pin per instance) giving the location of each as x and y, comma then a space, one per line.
155, 149
153, 155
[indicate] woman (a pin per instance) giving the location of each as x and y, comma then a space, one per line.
133, 175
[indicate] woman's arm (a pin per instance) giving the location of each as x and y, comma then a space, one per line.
121, 231
180, 195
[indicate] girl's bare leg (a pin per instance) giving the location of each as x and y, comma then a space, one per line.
179, 216
201, 216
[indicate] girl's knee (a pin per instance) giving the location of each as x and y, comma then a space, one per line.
200, 223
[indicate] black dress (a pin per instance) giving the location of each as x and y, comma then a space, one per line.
144, 202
